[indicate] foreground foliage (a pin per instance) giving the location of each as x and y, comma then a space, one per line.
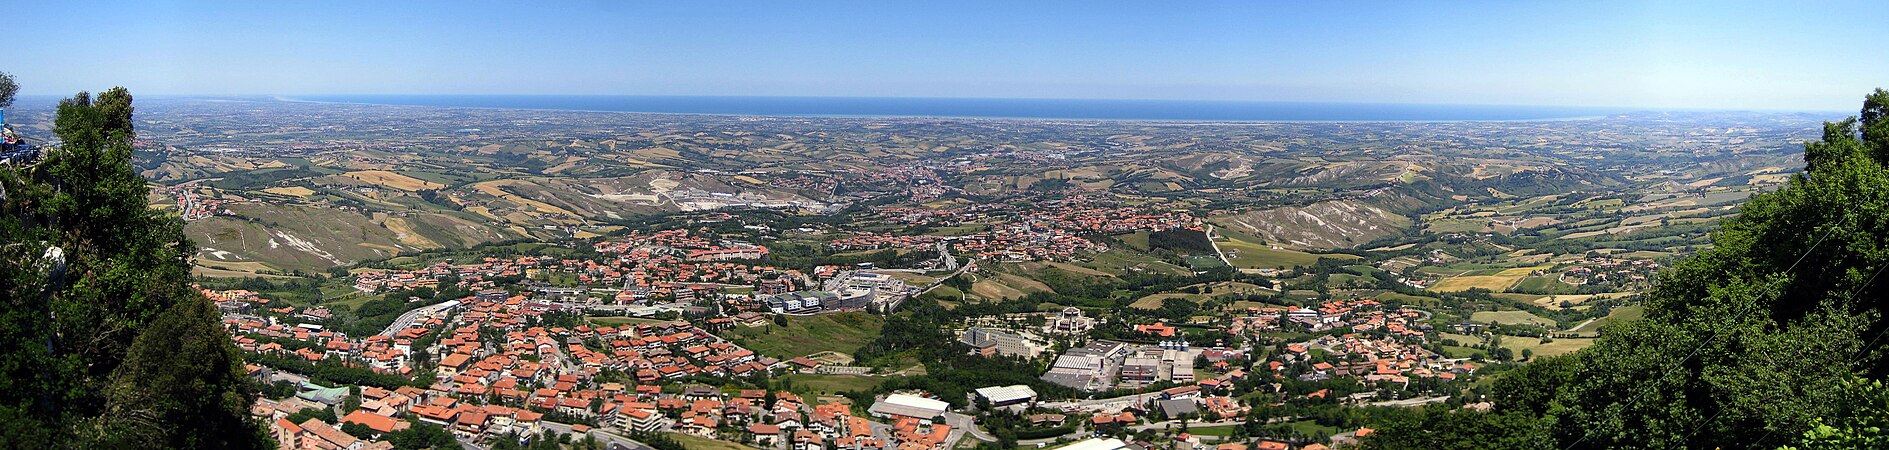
1760, 342
103, 342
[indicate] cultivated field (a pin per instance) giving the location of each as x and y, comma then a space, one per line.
1510, 318
1498, 281
297, 191
393, 180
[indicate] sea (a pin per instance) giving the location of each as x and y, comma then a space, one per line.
1011, 108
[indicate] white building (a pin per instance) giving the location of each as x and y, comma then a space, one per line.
902, 405
1097, 444
1007, 395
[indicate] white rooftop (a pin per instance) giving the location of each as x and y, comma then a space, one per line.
1001, 394
910, 406
1098, 444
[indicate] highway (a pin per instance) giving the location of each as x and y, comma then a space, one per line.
407, 320
961, 424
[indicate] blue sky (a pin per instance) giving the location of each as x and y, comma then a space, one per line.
1798, 55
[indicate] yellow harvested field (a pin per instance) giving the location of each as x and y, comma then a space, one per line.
1510, 318
1498, 282
1521, 271
297, 191
1559, 347
1156, 300
403, 231
492, 188
993, 290
1490, 282
393, 180
1554, 301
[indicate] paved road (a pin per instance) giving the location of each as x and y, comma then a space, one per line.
962, 424
1216, 247
1411, 401
406, 320
1081, 430
1176, 424
609, 439
934, 285
283, 375
1101, 404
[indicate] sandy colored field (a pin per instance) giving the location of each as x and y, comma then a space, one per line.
1457, 284
1560, 346
1156, 300
403, 231
492, 188
1006, 286
1554, 301
393, 180
297, 191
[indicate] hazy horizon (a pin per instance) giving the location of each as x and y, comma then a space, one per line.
1684, 55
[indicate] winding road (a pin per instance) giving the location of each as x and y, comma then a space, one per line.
406, 320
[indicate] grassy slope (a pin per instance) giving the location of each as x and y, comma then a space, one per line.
805, 335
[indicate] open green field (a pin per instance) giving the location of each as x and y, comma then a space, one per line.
1247, 255
1246, 252
1516, 317
1118, 262
1311, 427
832, 384
1204, 262
1406, 298
1459, 352
1446, 225
1549, 283
1558, 347
1619, 315
693, 442
1207, 291
804, 335
1220, 431
1137, 240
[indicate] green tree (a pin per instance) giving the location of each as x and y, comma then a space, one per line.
1865, 423
1532, 387
1442, 427
8, 88
357, 430
421, 436
1752, 342
103, 342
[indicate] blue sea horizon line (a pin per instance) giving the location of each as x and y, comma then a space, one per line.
991, 108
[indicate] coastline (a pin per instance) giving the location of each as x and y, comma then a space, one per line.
1481, 113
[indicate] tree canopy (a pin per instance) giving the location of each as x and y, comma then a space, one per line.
1758, 342
103, 341
8, 88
